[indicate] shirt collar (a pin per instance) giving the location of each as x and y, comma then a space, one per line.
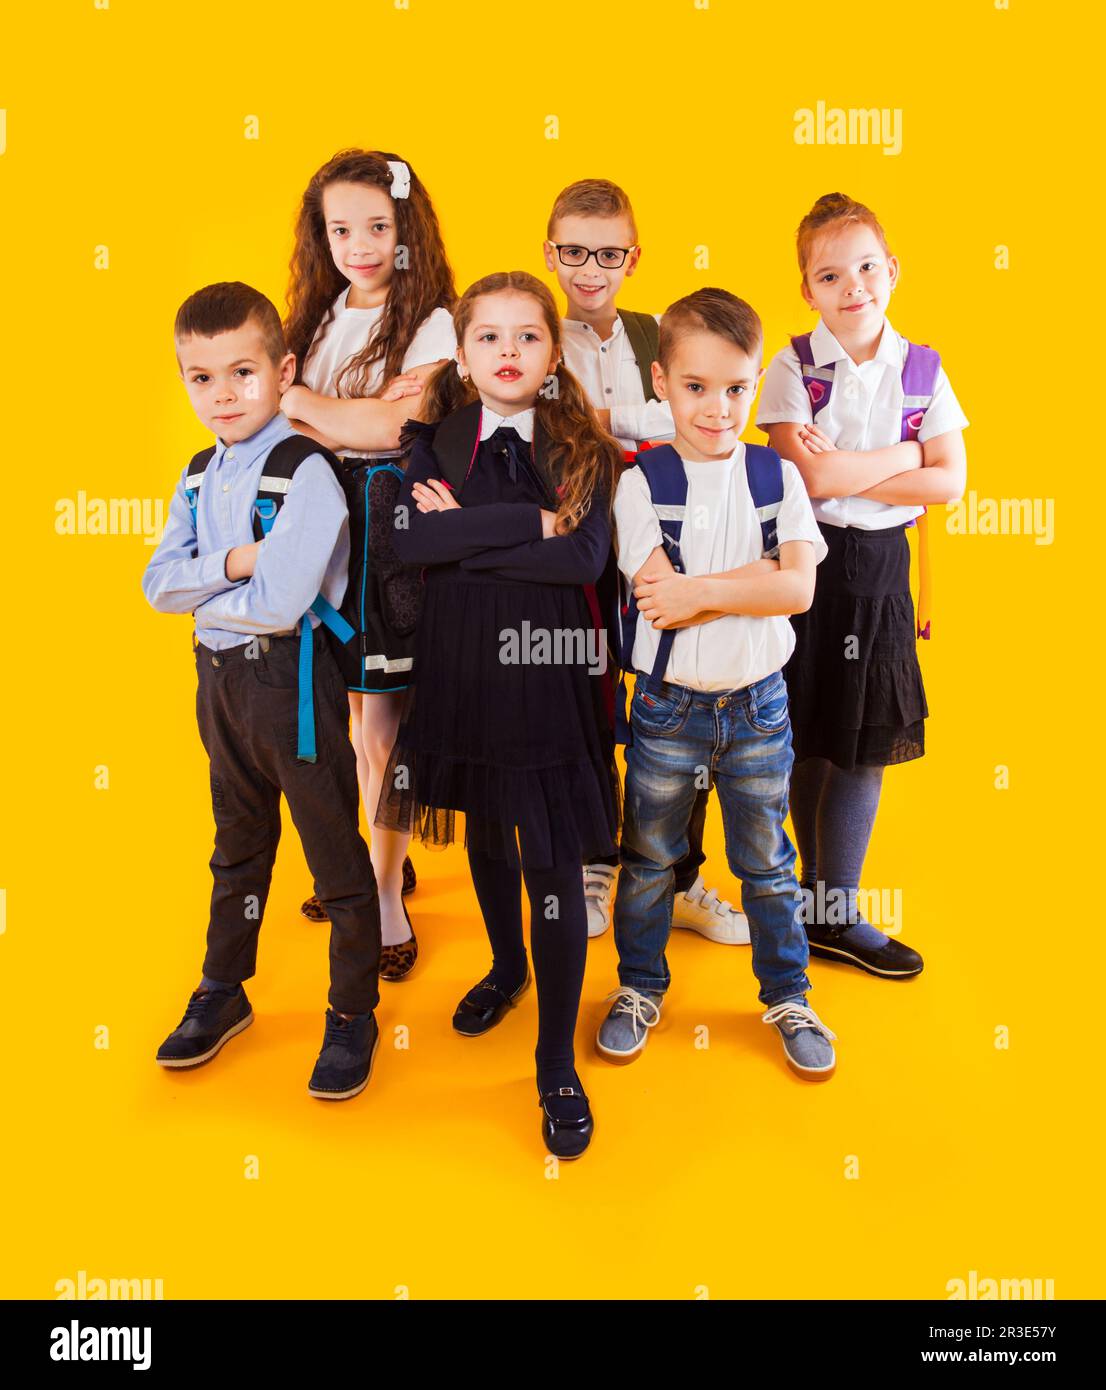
247, 451
523, 422
826, 349
585, 330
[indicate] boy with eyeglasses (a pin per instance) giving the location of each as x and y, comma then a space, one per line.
592, 247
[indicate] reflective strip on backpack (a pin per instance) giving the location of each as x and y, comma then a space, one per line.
381, 663
193, 480
267, 483
669, 513
916, 402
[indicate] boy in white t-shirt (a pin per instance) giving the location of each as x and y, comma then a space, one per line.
718, 711
592, 247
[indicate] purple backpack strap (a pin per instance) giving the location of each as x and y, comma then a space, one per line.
919, 380
817, 380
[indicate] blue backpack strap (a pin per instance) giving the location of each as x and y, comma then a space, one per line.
664, 472
764, 472
195, 476
817, 380
276, 478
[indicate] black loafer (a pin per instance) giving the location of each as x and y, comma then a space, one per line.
566, 1138
479, 1014
891, 962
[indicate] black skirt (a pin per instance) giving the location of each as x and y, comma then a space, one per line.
854, 683
510, 744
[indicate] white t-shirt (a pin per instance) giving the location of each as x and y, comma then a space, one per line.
720, 532
864, 412
347, 334
608, 372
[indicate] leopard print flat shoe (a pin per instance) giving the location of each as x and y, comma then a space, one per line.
409, 879
397, 962
313, 910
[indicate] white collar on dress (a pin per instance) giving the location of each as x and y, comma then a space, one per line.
523, 422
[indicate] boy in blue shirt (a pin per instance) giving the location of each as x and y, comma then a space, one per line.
248, 598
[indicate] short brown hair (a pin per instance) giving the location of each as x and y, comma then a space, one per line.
828, 211
592, 198
228, 305
710, 311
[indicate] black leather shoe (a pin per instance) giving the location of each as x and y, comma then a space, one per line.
566, 1138
484, 1006
212, 1018
891, 962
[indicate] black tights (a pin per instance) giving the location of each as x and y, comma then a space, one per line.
558, 943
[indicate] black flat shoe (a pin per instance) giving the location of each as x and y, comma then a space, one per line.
409, 879
474, 1016
566, 1138
891, 962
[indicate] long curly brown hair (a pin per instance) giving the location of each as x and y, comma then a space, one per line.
315, 281
583, 457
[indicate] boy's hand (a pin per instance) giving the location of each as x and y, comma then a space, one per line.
814, 441
434, 496
241, 560
666, 600
405, 384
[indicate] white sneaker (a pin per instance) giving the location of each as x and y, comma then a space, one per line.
598, 883
712, 917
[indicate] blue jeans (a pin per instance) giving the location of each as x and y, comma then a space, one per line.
741, 741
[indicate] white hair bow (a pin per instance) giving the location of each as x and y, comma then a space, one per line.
401, 178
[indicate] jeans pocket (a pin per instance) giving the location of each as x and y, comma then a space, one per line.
654, 713
768, 711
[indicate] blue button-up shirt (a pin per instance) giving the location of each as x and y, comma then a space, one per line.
305, 553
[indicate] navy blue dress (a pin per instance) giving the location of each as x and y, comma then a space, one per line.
508, 742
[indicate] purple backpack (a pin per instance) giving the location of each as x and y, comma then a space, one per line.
919, 379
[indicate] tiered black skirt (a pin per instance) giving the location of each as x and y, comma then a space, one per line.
854, 684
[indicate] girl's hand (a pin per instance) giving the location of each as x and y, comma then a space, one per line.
291, 399
814, 441
548, 524
405, 384
667, 600
434, 496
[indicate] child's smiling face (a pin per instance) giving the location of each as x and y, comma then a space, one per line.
234, 385
591, 288
710, 384
508, 350
361, 231
849, 278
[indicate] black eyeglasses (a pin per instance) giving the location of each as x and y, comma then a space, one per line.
607, 257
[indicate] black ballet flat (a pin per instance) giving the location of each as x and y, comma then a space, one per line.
566, 1139
473, 1017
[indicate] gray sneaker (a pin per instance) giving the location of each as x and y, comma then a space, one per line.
807, 1041
625, 1031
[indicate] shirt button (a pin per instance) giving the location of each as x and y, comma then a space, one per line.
216, 661
226, 487
229, 454
607, 389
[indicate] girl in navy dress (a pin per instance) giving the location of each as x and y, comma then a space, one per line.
506, 502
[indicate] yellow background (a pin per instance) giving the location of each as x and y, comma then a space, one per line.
710, 1169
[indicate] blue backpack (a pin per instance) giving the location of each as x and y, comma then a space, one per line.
283, 460
664, 472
